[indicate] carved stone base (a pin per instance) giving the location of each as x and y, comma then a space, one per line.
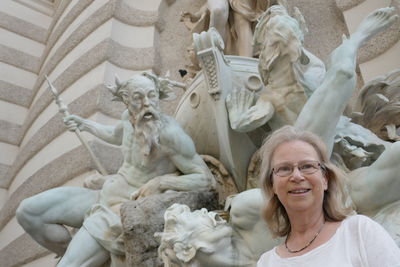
142, 218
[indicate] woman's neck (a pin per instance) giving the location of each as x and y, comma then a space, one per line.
301, 223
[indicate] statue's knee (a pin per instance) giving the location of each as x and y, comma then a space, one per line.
22, 214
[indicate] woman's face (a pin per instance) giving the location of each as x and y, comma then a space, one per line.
298, 191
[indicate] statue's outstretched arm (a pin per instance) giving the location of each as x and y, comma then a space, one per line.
109, 134
322, 111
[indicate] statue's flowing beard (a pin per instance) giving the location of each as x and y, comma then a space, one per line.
147, 125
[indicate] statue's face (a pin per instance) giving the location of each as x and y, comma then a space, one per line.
142, 99
191, 238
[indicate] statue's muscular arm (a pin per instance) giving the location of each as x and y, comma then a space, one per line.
180, 148
110, 134
367, 184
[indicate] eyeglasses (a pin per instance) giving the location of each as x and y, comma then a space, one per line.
305, 167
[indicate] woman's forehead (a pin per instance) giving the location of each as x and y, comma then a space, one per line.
294, 151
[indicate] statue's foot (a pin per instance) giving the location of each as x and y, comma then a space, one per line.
375, 22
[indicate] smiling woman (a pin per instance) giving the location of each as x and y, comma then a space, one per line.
295, 190
306, 202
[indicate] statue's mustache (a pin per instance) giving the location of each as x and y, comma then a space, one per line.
149, 113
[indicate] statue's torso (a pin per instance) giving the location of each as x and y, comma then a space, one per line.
138, 168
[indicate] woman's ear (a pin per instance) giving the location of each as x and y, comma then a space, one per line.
273, 184
325, 175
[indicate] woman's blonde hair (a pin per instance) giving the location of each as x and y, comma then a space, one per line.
335, 199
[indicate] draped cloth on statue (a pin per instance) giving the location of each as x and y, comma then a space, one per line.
105, 226
250, 9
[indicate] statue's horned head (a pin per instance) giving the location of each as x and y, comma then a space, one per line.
163, 85
114, 89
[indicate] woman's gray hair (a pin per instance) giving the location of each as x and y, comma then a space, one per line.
335, 206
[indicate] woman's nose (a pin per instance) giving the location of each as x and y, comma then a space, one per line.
296, 175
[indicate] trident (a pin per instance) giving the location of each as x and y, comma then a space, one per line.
62, 108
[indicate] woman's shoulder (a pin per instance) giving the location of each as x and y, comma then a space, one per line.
360, 220
374, 240
265, 257
365, 227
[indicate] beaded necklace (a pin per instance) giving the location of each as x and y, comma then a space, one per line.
306, 246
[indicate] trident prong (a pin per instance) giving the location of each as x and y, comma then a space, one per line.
64, 109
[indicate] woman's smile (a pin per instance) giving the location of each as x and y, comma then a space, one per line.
299, 191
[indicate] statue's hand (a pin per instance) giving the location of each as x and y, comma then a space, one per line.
244, 116
73, 122
152, 187
239, 101
94, 181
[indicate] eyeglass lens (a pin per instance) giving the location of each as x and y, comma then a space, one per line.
305, 167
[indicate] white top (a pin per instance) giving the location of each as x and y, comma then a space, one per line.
358, 242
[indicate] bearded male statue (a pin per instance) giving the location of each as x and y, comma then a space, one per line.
158, 156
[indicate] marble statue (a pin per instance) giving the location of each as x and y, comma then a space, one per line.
158, 157
202, 238
242, 100
365, 184
204, 101
289, 72
379, 102
233, 19
356, 146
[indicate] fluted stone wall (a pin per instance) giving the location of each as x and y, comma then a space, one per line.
80, 45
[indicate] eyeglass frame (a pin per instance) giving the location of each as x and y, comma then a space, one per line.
321, 166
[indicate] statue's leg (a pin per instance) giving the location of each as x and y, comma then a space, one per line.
377, 185
43, 216
245, 35
84, 250
219, 11
322, 111
246, 221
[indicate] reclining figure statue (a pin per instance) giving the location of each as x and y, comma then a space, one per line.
158, 156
